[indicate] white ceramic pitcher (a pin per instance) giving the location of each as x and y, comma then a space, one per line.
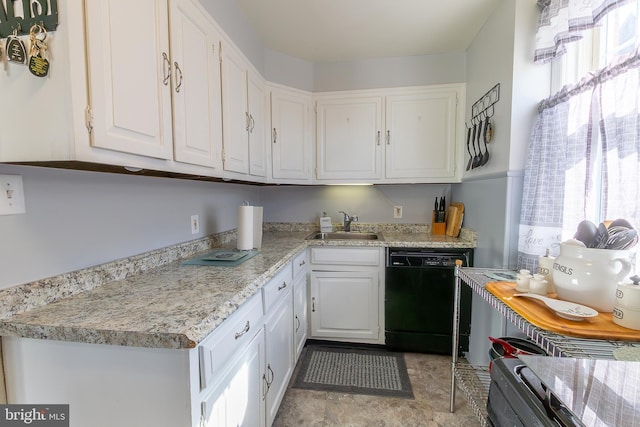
590, 276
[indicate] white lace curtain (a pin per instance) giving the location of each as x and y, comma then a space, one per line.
584, 157
563, 21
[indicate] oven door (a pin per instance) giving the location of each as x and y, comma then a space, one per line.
518, 398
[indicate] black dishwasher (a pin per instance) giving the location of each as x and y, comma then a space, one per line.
419, 293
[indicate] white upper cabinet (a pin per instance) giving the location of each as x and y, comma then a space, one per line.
420, 134
348, 137
129, 76
243, 99
256, 101
196, 88
405, 135
291, 135
156, 94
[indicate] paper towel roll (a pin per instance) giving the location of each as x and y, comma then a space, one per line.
249, 234
257, 227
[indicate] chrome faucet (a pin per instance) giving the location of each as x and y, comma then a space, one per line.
348, 219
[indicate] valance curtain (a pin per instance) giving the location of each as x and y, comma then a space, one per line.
563, 21
583, 160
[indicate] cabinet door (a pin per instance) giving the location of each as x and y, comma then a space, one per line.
279, 337
299, 315
421, 134
197, 110
290, 135
235, 115
237, 399
256, 99
344, 304
129, 76
349, 138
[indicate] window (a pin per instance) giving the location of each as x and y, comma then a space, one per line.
584, 154
616, 37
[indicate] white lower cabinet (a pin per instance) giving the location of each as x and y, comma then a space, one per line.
299, 316
236, 400
236, 376
278, 327
279, 333
346, 294
300, 292
232, 369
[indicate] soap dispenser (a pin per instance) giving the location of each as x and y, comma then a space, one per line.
325, 223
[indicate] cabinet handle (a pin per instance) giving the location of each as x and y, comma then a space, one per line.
252, 123
303, 262
388, 137
244, 331
246, 116
313, 304
269, 382
167, 68
281, 287
378, 139
266, 386
179, 76
275, 135
298, 321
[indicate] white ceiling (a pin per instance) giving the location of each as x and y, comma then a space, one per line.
338, 30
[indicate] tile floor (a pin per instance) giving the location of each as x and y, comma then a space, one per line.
430, 377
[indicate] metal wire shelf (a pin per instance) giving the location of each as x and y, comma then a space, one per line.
474, 381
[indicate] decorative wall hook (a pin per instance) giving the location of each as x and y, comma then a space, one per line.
21, 15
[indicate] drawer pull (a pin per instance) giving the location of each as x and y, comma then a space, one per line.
266, 386
281, 287
244, 331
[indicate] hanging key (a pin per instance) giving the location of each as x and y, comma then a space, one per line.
16, 51
38, 63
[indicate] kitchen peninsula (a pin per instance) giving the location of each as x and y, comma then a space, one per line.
138, 340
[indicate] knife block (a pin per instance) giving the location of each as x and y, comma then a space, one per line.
437, 228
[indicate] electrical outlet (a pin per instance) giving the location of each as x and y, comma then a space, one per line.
11, 195
195, 224
397, 211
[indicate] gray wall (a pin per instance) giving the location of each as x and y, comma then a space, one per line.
390, 72
235, 24
77, 219
371, 204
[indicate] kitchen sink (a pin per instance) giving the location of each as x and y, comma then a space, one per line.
344, 235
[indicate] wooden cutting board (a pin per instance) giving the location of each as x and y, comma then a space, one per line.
538, 314
453, 218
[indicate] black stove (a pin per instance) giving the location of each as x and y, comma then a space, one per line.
517, 397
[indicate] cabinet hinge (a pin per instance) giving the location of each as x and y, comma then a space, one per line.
88, 118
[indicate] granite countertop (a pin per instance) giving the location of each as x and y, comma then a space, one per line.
176, 306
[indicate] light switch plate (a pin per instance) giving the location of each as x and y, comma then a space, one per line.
11, 195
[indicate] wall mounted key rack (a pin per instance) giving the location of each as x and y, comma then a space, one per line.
18, 16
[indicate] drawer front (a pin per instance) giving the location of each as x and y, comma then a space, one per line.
235, 332
346, 256
299, 264
277, 287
